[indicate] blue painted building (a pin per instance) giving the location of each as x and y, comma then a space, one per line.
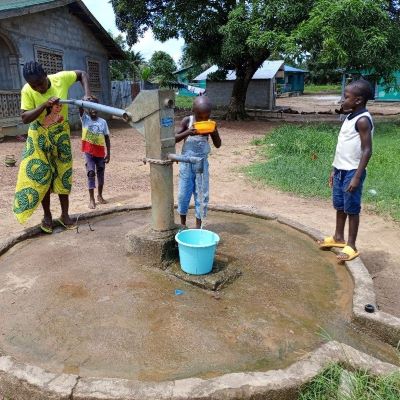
381, 91
293, 81
182, 76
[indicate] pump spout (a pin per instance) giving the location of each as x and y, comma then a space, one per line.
197, 161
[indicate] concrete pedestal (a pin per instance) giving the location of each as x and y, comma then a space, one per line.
157, 247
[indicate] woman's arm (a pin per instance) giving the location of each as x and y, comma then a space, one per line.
28, 116
83, 78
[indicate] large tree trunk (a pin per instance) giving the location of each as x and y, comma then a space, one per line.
244, 74
236, 109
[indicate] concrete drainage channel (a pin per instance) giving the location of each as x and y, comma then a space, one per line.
19, 381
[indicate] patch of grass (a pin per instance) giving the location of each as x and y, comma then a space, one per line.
364, 386
311, 89
299, 159
184, 102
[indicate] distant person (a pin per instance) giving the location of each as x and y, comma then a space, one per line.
353, 151
97, 151
46, 164
195, 145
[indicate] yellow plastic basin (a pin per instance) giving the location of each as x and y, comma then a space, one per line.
205, 127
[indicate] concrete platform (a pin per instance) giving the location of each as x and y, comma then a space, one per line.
77, 304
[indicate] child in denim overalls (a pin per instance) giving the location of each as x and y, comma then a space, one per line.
194, 145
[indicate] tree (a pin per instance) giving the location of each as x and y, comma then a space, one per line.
353, 35
162, 66
196, 67
233, 34
129, 68
242, 34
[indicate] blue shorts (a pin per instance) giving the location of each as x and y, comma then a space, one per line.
349, 202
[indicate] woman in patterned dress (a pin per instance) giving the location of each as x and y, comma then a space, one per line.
46, 164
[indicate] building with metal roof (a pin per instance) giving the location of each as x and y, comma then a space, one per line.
261, 92
61, 35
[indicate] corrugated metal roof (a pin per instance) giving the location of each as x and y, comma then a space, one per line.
288, 68
15, 4
267, 71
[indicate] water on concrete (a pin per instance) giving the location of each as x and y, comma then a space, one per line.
76, 303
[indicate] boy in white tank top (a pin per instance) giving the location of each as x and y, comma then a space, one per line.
353, 151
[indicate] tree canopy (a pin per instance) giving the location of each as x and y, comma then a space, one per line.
358, 35
162, 66
129, 68
242, 34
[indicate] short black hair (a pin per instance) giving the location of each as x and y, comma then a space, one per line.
33, 70
363, 89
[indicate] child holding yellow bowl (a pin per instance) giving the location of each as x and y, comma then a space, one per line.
195, 131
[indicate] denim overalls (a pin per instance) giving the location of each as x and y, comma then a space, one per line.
198, 146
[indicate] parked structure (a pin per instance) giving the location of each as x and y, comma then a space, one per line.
382, 92
293, 81
261, 92
188, 88
60, 34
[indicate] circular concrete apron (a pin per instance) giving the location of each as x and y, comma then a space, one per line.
78, 304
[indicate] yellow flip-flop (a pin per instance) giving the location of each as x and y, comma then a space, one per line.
46, 229
329, 242
70, 227
350, 252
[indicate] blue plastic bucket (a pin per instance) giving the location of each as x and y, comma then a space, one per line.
197, 250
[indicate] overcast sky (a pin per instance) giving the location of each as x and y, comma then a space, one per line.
104, 13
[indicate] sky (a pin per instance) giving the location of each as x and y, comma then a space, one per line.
147, 45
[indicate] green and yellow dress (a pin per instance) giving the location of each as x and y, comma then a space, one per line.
47, 158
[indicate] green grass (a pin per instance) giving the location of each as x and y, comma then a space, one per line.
311, 89
184, 102
364, 386
298, 159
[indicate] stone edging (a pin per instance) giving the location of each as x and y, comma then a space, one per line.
33, 383
29, 382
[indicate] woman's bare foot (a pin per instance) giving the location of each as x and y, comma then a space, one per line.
92, 204
101, 200
67, 222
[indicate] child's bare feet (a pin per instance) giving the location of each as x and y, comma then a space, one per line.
92, 204
101, 200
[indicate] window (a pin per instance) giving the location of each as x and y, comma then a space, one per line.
93, 69
51, 60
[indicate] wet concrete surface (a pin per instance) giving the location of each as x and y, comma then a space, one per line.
76, 303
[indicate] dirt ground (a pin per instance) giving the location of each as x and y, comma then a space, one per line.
328, 103
127, 182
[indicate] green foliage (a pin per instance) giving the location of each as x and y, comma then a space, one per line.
299, 158
310, 88
162, 66
324, 386
364, 386
352, 34
233, 34
128, 68
184, 102
241, 35
145, 73
197, 67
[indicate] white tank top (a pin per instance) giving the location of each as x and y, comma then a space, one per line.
348, 148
